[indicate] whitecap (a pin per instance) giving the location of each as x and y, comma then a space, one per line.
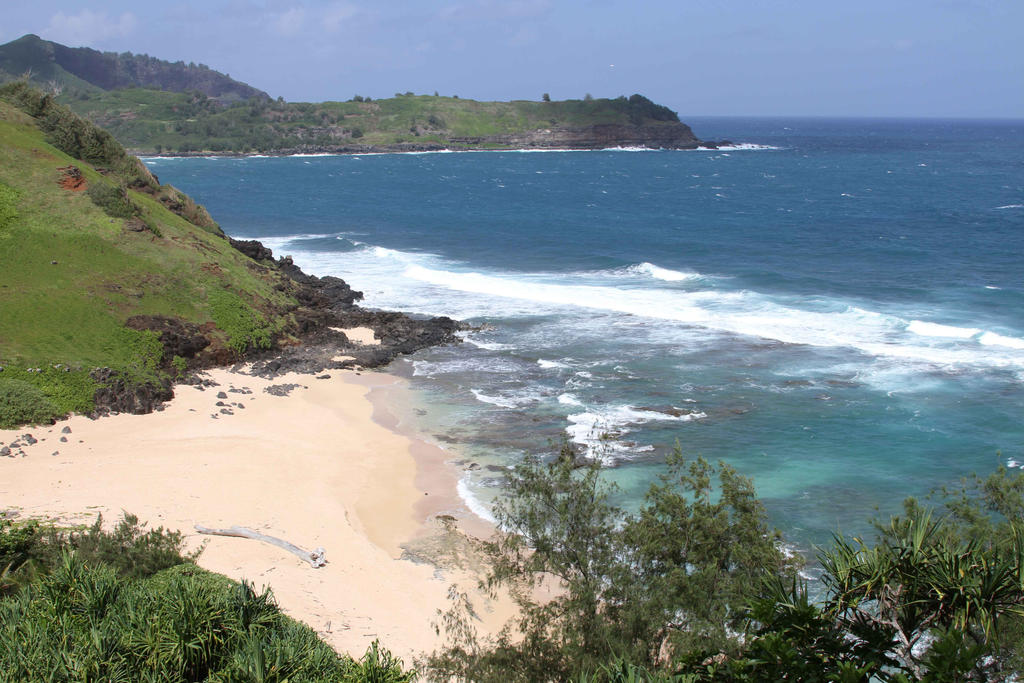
504, 401
488, 346
1011, 206
993, 339
927, 329
742, 147
631, 149
551, 364
599, 430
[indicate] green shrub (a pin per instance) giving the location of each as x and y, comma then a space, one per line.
76, 136
88, 620
244, 327
145, 350
23, 403
8, 207
130, 548
17, 541
113, 199
69, 391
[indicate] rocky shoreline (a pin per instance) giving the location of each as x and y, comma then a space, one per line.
674, 136
326, 308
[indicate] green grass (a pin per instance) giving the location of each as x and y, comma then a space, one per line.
245, 327
155, 121
73, 273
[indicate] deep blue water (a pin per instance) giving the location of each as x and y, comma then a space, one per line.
839, 313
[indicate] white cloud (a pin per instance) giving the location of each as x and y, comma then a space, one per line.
337, 14
88, 28
290, 23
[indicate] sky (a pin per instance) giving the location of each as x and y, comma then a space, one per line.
909, 58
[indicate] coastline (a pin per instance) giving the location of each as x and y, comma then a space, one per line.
324, 464
725, 146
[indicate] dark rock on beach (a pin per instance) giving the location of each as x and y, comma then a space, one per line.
329, 302
179, 338
120, 394
280, 389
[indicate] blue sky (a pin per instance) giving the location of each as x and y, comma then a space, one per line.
957, 58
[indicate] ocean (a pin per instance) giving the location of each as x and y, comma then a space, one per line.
833, 307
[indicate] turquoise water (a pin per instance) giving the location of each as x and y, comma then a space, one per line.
836, 308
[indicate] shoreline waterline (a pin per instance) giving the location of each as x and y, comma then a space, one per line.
318, 466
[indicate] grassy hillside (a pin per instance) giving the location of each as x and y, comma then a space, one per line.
99, 260
154, 106
82, 70
150, 121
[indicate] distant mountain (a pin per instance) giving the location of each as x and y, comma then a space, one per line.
82, 70
154, 106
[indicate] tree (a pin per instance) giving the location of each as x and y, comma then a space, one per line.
630, 586
545, 97
937, 597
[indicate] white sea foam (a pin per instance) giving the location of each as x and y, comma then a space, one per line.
659, 273
316, 154
630, 149
427, 284
488, 346
740, 147
551, 364
1011, 206
568, 400
926, 329
500, 401
598, 429
993, 339
473, 503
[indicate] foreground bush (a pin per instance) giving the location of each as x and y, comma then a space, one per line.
694, 588
23, 403
126, 605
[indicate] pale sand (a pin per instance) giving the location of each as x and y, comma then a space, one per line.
359, 335
314, 468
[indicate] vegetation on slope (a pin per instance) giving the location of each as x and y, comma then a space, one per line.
103, 267
154, 106
155, 122
127, 605
695, 587
83, 70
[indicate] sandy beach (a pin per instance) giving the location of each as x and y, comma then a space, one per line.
305, 459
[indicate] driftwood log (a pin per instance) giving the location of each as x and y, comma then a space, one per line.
317, 558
